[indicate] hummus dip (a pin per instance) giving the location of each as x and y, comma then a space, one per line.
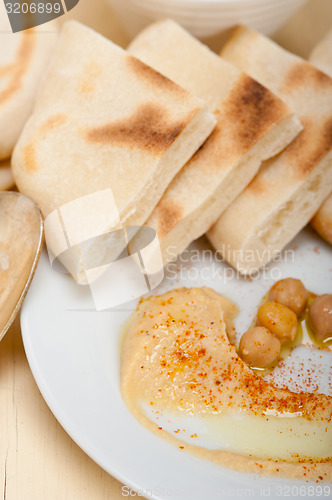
177, 360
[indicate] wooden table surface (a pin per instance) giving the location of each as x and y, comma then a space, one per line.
38, 460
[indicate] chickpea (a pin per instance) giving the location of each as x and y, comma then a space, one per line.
320, 317
291, 293
259, 347
280, 320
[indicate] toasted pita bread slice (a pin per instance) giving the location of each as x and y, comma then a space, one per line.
23, 57
103, 119
6, 176
288, 189
321, 57
253, 125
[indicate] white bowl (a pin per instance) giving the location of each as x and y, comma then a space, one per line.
206, 18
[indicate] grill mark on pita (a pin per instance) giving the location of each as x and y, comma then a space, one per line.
89, 78
149, 128
310, 146
257, 186
52, 122
17, 70
29, 152
6, 70
306, 151
249, 112
30, 162
4, 152
168, 213
218, 151
304, 74
152, 76
252, 110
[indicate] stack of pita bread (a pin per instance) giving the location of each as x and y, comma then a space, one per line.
321, 57
288, 189
184, 139
252, 125
103, 119
23, 57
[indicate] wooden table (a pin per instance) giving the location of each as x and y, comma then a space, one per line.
38, 460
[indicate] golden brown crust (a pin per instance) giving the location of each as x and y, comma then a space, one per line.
149, 128
30, 161
15, 72
53, 122
251, 109
311, 153
248, 114
235, 34
311, 145
211, 141
257, 185
303, 74
152, 76
89, 78
168, 213
322, 221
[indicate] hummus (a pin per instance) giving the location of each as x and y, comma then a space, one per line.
177, 360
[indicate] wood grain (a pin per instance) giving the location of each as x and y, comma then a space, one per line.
38, 460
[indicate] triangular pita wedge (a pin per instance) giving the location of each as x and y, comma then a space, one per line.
253, 125
104, 120
23, 57
288, 189
321, 57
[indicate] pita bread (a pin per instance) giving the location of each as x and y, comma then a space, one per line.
252, 125
322, 221
288, 189
321, 57
103, 119
6, 177
23, 57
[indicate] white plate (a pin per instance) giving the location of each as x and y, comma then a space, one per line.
74, 352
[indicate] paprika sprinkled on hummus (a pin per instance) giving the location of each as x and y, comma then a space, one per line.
177, 358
